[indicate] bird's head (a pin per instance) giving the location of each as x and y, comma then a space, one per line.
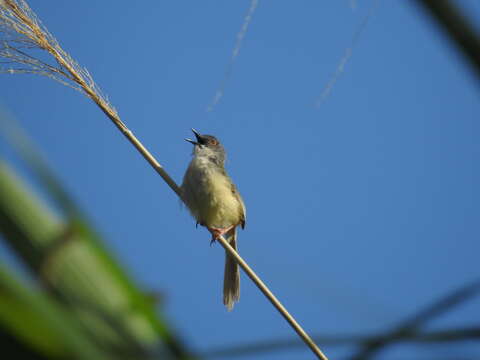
209, 146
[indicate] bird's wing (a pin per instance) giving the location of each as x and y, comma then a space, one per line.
243, 210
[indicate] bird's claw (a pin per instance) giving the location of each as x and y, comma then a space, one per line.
216, 233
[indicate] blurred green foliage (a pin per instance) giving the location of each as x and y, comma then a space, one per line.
82, 303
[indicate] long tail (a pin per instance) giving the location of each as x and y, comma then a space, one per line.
231, 280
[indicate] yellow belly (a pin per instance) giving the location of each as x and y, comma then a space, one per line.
218, 206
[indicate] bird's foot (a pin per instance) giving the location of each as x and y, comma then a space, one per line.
217, 232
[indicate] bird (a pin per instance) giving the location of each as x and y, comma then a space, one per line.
214, 201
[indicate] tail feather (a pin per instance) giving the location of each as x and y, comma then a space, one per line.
231, 280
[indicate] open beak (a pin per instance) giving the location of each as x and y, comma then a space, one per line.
198, 136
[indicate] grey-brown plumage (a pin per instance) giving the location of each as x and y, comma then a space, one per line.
215, 203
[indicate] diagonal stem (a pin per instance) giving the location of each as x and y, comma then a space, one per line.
40, 36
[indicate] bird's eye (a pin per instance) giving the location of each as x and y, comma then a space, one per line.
213, 142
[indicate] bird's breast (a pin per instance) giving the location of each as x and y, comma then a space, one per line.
210, 195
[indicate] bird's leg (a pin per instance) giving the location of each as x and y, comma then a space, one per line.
217, 232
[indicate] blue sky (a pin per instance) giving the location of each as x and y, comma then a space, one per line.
360, 211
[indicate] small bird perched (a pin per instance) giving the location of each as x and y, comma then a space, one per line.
214, 201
